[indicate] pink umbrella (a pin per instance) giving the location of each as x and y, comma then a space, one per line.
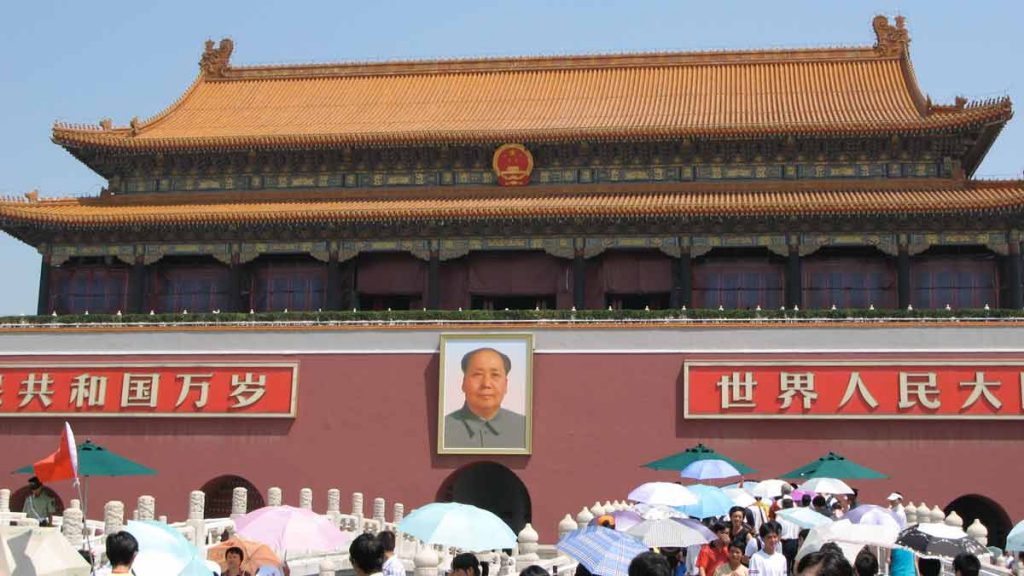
289, 529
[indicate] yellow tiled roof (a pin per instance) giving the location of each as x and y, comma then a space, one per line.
602, 201
835, 91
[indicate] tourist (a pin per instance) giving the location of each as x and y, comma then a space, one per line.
805, 501
233, 557
366, 555
824, 562
649, 564
896, 505
768, 561
533, 570
901, 562
929, 566
737, 527
966, 565
787, 492
866, 563
734, 567
482, 421
392, 563
466, 564
820, 505
715, 553
122, 548
789, 535
759, 511
39, 505
837, 509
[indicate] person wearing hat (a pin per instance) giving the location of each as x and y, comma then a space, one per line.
39, 505
896, 505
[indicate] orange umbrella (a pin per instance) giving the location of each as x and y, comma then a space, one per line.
256, 554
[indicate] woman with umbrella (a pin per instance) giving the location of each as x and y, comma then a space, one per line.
233, 558
737, 527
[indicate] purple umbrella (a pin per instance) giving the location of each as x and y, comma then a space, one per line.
875, 516
296, 530
624, 519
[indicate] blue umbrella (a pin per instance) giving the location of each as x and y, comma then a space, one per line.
712, 501
163, 550
710, 469
1015, 540
459, 526
603, 551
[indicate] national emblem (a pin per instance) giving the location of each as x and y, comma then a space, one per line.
513, 165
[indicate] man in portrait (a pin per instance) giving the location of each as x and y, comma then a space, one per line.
482, 422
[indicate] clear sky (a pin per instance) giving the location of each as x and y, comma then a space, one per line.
82, 61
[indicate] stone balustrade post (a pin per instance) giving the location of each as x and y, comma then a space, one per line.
5, 500
566, 525
357, 509
73, 527
75, 503
608, 507
527, 540
911, 511
239, 497
924, 514
306, 499
162, 519
938, 516
584, 517
113, 517
196, 515
379, 506
978, 531
334, 506
954, 519
146, 508
273, 496
597, 510
398, 513
326, 568
426, 561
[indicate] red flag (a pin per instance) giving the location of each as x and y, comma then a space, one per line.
62, 464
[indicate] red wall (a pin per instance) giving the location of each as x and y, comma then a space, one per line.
368, 423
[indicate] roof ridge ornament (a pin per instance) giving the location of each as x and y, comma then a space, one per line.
891, 40
216, 60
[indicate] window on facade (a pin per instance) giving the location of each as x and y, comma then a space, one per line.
96, 289
196, 289
543, 302
849, 283
738, 284
960, 282
390, 302
298, 286
654, 301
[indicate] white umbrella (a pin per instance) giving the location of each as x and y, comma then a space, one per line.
846, 532
657, 533
769, 488
665, 493
804, 517
739, 496
826, 486
874, 516
659, 511
710, 469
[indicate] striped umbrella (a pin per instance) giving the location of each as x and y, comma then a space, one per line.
601, 550
678, 533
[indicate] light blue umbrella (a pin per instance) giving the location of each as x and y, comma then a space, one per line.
710, 469
1015, 540
458, 525
164, 551
603, 551
803, 517
711, 501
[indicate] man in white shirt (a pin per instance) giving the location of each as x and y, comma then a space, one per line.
769, 561
392, 563
896, 505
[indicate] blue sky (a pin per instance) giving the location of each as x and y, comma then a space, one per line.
83, 61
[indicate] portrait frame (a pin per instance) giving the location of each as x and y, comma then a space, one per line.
516, 404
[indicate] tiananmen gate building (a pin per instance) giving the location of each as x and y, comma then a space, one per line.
778, 253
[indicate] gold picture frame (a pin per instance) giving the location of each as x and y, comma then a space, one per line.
485, 394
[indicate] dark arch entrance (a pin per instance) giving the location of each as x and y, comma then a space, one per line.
991, 514
490, 486
219, 492
18, 497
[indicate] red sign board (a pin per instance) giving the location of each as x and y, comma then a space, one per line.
254, 390
854, 390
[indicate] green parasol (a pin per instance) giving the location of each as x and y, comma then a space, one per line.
833, 465
95, 460
693, 454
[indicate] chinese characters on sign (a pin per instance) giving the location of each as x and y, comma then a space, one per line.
164, 389
868, 389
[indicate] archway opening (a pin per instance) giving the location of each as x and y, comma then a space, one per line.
988, 511
490, 486
19, 496
219, 493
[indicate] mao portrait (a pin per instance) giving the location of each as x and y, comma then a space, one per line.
485, 396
